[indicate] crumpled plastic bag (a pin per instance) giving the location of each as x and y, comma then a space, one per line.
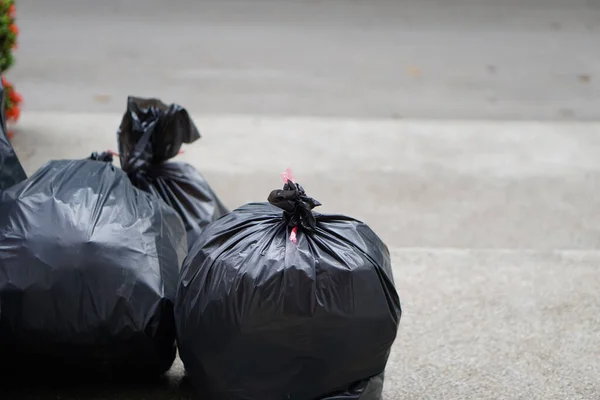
278, 302
150, 134
88, 272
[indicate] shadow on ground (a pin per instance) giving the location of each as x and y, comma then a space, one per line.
79, 387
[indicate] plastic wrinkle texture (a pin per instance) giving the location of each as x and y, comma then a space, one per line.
88, 272
261, 318
297, 206
11, 171
150, 134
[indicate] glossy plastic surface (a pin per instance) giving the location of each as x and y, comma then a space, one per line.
88, 272
261, 317
150, 134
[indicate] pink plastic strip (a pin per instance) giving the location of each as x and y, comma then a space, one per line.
293, 235
288, 175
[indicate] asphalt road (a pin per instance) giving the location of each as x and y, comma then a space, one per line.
512, 59
462, 131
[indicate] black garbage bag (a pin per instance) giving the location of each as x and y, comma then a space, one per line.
150, 134
11, 171
277, 302
88, 272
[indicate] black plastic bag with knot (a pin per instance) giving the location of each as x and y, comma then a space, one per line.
278, 302
150, 134
89, 267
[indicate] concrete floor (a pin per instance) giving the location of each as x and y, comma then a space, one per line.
464, 132
493, 230
514, 59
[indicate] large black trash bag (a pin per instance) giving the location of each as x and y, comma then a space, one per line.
11, 171
88, 273
150, 134
287, 304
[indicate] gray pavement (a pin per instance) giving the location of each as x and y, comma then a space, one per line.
424, 184
478, 324
511, 59
464, 132
493, 230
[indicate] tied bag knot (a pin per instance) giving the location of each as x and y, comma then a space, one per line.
152, 132
296, 205
150, 135
105, 156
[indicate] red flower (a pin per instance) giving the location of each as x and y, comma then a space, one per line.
15, 97
12, 10
13, 114
14, 29
8, 87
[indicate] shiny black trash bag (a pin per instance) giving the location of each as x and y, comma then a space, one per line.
277, 302
88, 272
150, 134
11, 171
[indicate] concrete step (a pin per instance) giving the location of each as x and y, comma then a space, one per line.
466, 184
